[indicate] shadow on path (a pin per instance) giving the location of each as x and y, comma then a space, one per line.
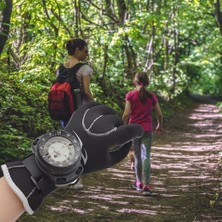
186, 175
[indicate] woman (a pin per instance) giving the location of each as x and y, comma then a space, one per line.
138, 109
78, 52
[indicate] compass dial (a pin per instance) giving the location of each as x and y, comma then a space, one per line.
59, 154
60, 151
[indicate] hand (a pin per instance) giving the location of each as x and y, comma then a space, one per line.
105, 140
104, 136
159, 131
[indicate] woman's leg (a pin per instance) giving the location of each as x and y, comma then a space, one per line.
138, 160
147, 142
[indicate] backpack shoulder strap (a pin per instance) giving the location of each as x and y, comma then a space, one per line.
69, 75
77, 66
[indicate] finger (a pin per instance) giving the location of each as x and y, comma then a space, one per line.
76, 117
104, 160
96, 164
119, 155
96, 112
125, 134
87, 114
87, 105
105, 125
124, 137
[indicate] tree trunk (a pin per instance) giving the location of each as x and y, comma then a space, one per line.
122, 10
218, 15
4, 26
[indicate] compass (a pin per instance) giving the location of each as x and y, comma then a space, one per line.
60, 155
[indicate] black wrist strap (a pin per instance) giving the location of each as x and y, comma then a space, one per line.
41, 182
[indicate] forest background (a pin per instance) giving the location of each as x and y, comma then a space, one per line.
179, 42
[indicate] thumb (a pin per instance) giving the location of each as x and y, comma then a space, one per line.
118, 155
125, 134
123, 142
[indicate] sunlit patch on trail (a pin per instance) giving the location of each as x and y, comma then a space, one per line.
146, 212
70, 209
184, 173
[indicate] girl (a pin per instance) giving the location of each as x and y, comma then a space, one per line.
138, 109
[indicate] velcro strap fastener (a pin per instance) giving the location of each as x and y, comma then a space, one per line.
40, 180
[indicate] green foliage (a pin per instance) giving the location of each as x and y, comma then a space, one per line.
2, 5
216, 200
179, 38
219, 104
14, 144
23, 115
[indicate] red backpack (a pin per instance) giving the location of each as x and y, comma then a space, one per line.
64, 93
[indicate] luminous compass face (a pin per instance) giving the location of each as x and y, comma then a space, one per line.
59, 151
60, 155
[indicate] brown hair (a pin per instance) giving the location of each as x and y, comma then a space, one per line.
73, 44
143, 81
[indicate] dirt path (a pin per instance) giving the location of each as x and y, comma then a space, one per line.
185, 174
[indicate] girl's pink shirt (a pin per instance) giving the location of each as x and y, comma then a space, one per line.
141, 113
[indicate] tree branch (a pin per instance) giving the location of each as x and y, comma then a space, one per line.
107, 13
218, 15
47, 15
5, 24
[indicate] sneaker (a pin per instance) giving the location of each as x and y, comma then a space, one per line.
138, 186
147, 191
77, 186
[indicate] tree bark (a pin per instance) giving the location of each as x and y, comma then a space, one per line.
122, 10
5, 25
218, 15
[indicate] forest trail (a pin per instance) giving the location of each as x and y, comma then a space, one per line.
185, 174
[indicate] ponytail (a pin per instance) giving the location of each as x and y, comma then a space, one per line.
144, 94
143, 81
